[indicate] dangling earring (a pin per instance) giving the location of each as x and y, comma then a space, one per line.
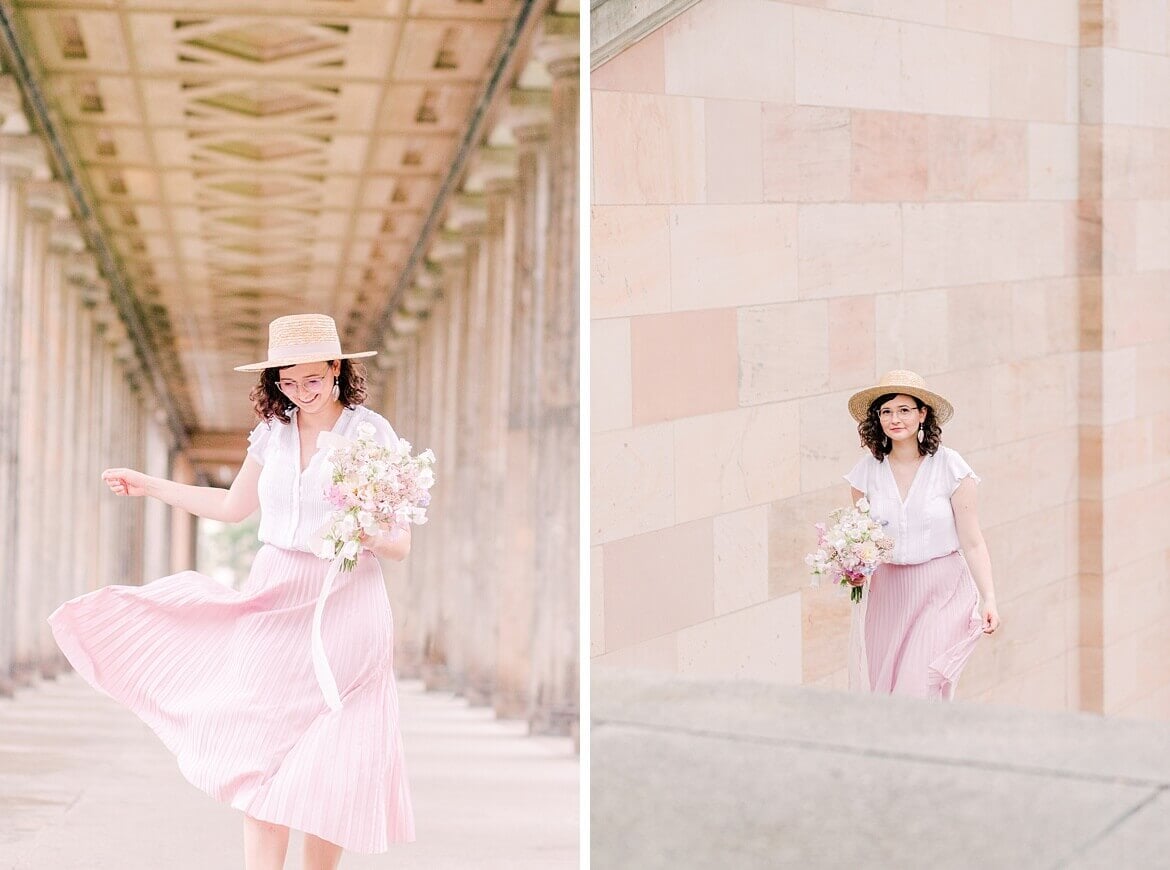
337, 395
921, 433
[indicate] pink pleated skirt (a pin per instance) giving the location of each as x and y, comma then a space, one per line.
915, 629
226, 680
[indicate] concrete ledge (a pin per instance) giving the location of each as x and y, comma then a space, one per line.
615, 25
692, 773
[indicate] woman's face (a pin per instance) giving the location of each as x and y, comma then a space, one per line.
900, 418
309, 385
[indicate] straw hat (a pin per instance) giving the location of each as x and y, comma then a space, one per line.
302, 338
901, 383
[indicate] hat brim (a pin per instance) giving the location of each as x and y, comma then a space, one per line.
859, 402
285, 362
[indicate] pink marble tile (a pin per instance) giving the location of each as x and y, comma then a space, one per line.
1030, 80
851, 341
648, 149
735, 49
641, 68
806, 153
734, 151
630, 260
683, 364
976, 159
730, 255
889, 156
658, 582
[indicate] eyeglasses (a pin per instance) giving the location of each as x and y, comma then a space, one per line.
311, 385
905, 412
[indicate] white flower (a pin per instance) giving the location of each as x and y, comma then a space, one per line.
350, 550
366, 430
863, 504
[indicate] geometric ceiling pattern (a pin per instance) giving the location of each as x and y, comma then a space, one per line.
248, 159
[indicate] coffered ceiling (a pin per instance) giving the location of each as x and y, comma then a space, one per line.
251, 159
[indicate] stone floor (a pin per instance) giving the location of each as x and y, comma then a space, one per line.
696, 774
84, 784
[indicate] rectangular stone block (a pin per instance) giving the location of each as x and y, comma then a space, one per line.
922, 11
761, 642
852, 341
912, 331
641, 68
734, 49
946, 72
1030, 80
632, 482
828, 440
783, 351
889, 156
1136, 25
658, 582
660, 156
683, 364
980, 325
826, 614
735, 151
596, 601
1052, 161
610, 400
659, 654
978, 242
730, 255
806, 153
741, 559
847, 60
976, 159
630, 260
849, 249
1134, 88
791, 535
729, 461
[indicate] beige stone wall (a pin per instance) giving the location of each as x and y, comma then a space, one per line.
790, 200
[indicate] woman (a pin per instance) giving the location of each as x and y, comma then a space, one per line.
226, 678
920, 617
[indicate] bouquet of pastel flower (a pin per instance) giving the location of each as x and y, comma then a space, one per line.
374, 489
851, 550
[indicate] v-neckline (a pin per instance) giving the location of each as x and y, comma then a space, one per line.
296, 421
913, 481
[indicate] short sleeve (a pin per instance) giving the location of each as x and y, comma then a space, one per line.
956, 470
383, 431
258, 440
858, 477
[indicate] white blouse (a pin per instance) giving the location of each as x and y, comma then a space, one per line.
923, 526
292, 502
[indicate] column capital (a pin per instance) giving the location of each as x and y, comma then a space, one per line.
65, 237
525, 108
24, 155
11, 102
558, 45
490, 165
467, 213
81, 268
47, 200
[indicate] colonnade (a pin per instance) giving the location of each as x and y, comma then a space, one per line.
71, 404
484, 350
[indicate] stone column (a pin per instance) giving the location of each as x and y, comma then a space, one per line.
182, 523
517, 598
555, 684
46, 200
57, 440
20, 158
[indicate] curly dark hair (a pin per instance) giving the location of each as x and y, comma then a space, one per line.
269, 402
875, 440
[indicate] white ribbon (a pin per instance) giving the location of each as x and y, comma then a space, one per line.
320, 663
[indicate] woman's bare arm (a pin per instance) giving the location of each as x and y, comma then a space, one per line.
964, 504
225, 505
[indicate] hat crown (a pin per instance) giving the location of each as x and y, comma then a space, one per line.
902, 378
293, 331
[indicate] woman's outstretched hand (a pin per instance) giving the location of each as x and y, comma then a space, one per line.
990, 618
125, 481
